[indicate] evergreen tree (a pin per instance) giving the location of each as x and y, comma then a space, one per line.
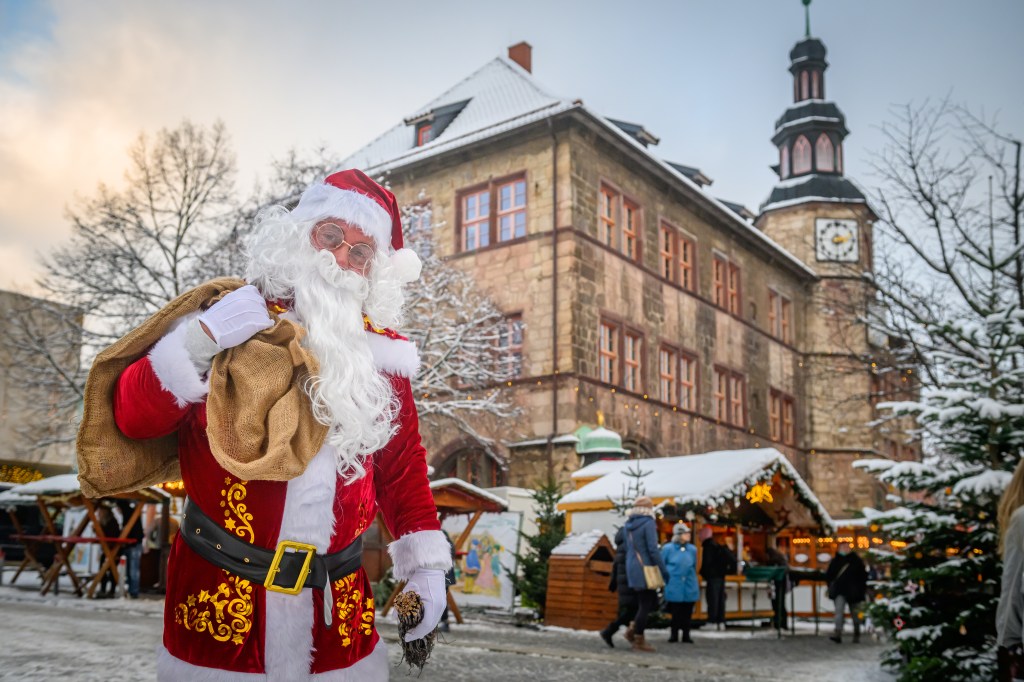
961, 327
531, 582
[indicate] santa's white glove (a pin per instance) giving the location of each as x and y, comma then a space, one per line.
428, 583
237, 317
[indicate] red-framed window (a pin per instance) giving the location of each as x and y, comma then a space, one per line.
424, 134
687, 263
619, 222
492, 213
512, 210
476, 220
510, 343
801, 156
667, 252
720, 271
782, 417
734, 289
726, 277
721, 394
631, 217
730, 396
608, 352
688, 381
632, 357
668, 366
609, 213
780, 316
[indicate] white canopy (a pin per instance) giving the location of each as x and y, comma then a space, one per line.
712, 479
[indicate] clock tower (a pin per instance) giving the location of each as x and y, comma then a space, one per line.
822, 218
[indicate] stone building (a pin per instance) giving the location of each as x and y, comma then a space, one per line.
690, 323
36, 411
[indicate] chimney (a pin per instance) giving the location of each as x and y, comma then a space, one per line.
522, 54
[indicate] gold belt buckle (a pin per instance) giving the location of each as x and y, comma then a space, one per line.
275, 565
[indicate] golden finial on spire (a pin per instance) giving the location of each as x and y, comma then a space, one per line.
600, 418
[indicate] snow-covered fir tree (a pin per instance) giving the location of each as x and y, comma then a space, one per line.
951, 207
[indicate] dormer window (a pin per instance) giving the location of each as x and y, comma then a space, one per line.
424, 133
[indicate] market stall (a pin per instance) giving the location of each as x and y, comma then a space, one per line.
60, 495
750, 499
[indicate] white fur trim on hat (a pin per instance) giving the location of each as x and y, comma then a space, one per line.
422, 549
406, 265
327, 201
394, 356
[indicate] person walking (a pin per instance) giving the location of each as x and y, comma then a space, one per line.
716, 563
847, 579
681, 590
111, 529
619, 583
779, 587
132, 552
1010, 612
641, 551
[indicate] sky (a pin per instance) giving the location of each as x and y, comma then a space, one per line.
79, 81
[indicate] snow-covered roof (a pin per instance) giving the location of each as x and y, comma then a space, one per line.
12, 499
468, 487
712, 478
502, 96
557, 440
578, 544
60, 484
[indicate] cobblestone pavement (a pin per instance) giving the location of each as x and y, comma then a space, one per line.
93, 641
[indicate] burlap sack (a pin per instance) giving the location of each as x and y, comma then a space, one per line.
259, 421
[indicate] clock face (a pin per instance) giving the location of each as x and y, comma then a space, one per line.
837, 240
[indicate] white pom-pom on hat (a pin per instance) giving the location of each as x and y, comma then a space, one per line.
407, 265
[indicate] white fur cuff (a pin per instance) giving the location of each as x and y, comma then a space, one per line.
394, 356
422, 549
173, 366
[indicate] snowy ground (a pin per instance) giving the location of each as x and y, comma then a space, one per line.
65, 638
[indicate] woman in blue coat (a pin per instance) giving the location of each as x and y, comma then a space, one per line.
681, 589
642, 550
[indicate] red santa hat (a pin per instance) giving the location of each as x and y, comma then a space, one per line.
354, 197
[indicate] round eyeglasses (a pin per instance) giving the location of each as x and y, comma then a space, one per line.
331, 237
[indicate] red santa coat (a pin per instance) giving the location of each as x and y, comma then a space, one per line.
216, 620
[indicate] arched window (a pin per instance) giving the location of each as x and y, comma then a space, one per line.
803, 85
783, 162
801, 156
825, 153
815, 82
472, 465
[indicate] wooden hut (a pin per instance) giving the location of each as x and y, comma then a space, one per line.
578, 574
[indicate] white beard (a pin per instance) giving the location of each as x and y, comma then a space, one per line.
349, 394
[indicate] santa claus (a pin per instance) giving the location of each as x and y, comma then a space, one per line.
288, 405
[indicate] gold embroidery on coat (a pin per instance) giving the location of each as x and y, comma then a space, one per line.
355, 613
237, 518
226, 613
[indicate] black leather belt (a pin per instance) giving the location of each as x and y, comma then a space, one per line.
278, 571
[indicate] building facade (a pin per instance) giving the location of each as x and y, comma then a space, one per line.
630, 290
39, 340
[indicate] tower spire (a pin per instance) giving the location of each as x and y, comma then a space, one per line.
807, 18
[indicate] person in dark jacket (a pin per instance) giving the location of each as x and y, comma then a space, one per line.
642, 550
847, 580
132, 552
773, 557
716, 563
111, 529
627, 595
